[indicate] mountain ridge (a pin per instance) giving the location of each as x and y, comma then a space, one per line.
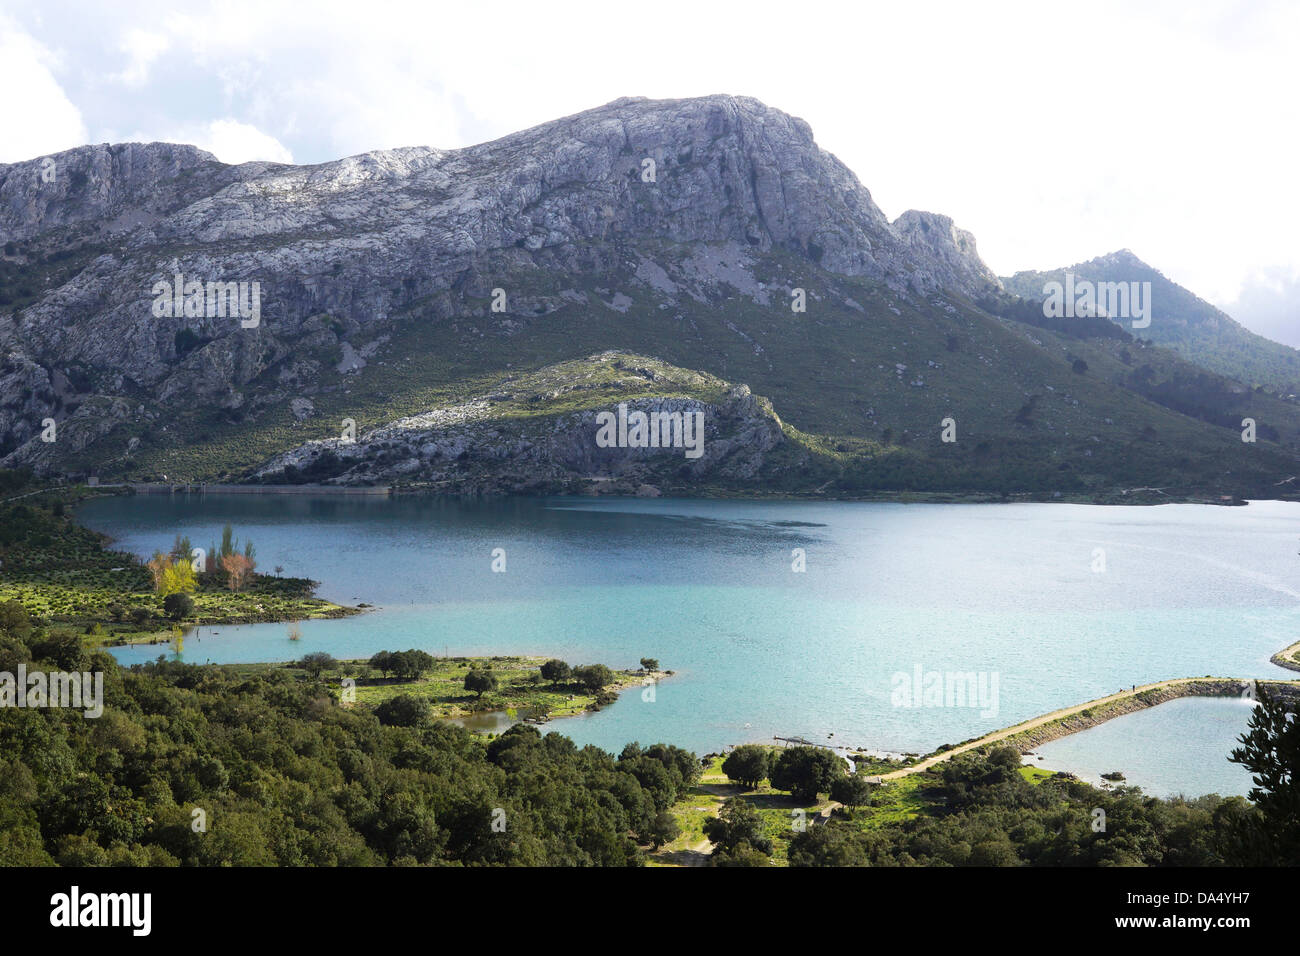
1182, 321
710, 234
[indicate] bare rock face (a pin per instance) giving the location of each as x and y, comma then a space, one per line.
955, 263
116, 188
723, 180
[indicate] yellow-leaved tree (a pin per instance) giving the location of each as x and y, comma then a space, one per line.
177, 577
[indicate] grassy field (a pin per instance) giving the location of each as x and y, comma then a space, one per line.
1035, 775
520, 687
891, 803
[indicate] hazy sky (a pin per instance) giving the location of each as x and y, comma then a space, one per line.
1055, 132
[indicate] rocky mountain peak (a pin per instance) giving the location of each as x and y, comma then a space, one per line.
951, 251
651, 203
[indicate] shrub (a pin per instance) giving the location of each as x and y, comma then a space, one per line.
593, 676
480, 680
178, 605
404, 710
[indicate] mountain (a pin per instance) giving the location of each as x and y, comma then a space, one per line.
1181, 321
703, 253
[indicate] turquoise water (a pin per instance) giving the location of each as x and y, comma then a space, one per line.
1167, 750
707, 587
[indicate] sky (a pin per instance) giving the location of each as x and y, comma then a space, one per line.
1055, 132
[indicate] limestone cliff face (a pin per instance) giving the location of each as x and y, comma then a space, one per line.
118, 189
687, 193
955, 262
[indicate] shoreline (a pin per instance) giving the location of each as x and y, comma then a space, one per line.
1288, 657
1117, 496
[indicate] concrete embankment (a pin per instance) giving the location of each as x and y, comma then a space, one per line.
1027, 740
1029, 734
1288, 657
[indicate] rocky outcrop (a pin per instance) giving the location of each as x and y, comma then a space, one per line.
954, 262
484, 445
117, 189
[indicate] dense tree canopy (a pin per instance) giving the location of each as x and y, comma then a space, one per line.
988, 814
286, 775
807, 771
748, 764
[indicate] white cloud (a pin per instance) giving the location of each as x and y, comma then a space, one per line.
1269, 303
234, 142
142, 48
36, 115
229, 140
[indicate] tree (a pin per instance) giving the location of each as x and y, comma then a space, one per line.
228, 543
1270, 750
181, 548
237, 568
741, 855
649, 663
851, 790
157, 566
663, 829
593, 676
480, 680
383, 662
404, 710
556, 671
683, 764
179, 578
736, 823
1080, 366
316, 662
15, 622
806, 771
832, 844
178, 605
411, 664
748, 764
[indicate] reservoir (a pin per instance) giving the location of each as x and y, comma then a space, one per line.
790, 618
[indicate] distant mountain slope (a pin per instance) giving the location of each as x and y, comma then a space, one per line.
710, 239
1183, 322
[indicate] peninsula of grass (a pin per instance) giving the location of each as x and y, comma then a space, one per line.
520, 687
67, 576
